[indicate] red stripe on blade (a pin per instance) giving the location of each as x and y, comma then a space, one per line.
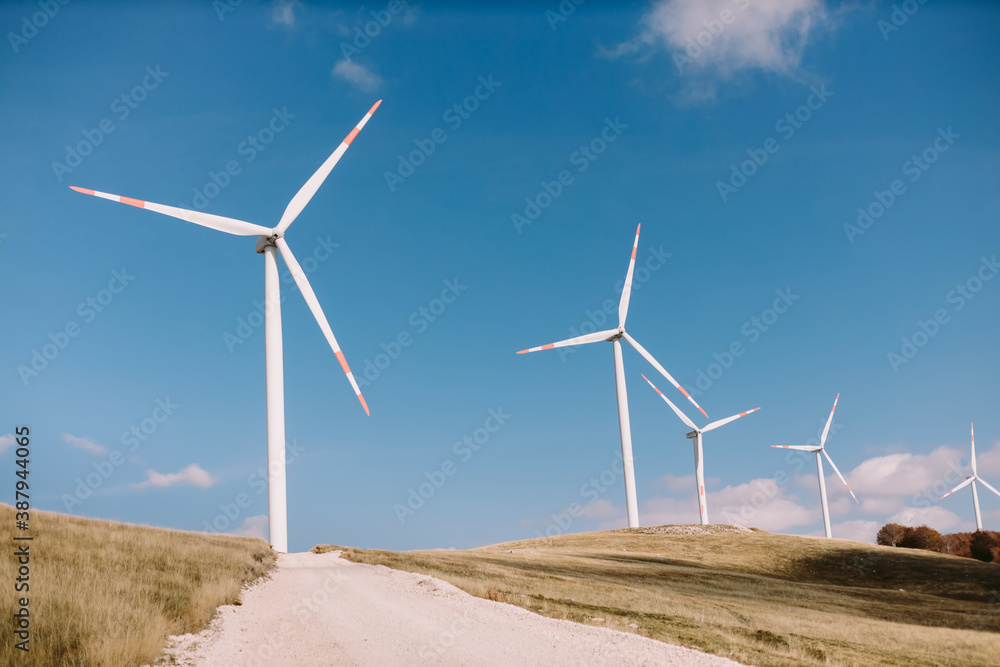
351, 136
132, 202
343, 361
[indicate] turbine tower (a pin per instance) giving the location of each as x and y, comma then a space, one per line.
699, 459
819, 467
972, 480
614, 336
270, 243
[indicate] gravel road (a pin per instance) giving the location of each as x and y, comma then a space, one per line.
324, 610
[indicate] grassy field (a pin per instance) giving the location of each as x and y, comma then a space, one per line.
757, 598
109, 594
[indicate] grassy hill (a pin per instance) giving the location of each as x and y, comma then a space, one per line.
757, 598
106, 593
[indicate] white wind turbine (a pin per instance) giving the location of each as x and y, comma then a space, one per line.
699, 458
819, 467
614, 336
972, 480
270, 243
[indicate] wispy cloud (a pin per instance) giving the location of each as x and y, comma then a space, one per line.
6, 441
84, 443
600, 509
192, 475
357, 75
712, 40
283, 12
252, 526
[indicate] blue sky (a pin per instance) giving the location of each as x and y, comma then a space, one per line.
829, 102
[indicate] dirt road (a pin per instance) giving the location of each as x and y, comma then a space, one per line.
323, 610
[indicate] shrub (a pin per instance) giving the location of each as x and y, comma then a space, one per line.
981, 546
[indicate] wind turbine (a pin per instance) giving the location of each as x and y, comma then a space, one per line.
699, 459
819, 467
972, 480
614, 336
271, 241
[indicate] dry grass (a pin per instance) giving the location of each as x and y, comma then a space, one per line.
109, 594
757, 598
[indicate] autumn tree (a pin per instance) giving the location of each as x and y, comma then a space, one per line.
890, 534
921, 537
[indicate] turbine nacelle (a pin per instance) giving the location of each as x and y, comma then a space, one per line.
265, 241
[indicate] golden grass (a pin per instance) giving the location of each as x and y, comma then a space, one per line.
109, 594
758, 598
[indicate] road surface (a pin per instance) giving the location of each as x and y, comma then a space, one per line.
318, 609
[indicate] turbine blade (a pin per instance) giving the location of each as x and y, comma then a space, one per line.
826, 429
684, 417
964, 484
656, 364
595, 337
804, 448
841, 477
980, 480
307, 293
627, 289
721, 422
307, 191
217, 222
972, 429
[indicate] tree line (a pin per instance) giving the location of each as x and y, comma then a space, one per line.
982, 545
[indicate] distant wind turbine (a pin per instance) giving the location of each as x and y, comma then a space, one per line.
614, 336
972, 480
270, 243
699, 460
819, 467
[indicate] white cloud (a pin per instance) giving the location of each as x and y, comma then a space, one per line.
679, 483
760, 503
193, 475
885, 506
935, 516
253, 526
907, 474
600, 509
6, 441
665, 511
357, 75
719, 38
283, 12
898, 487
987, 460
84, 443
859, 530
